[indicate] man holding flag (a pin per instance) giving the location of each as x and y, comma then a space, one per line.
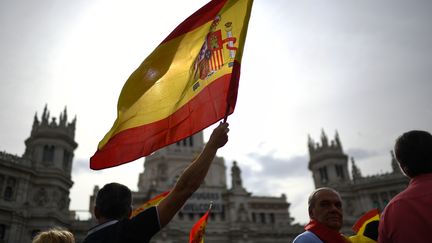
113, 201
188, 83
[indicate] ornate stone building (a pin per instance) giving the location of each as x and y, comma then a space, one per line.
34, 192
329, 166
237, 215
34, 188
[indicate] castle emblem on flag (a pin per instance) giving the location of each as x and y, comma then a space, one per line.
211, 57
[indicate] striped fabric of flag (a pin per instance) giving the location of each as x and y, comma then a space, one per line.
150, 203
188, 82
366, 228
198, 230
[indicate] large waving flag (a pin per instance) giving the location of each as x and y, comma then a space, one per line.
198, 230
189, 82
366, 228
150, 203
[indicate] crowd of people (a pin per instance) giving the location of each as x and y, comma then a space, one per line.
406, 218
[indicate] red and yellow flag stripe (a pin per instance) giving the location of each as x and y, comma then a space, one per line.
198, 230
150, 203
366, 228
173, 94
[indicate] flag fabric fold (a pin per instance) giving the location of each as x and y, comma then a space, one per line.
366, 228
150, 203
198, 230
186, 84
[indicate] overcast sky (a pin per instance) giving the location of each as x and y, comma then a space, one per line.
362, 68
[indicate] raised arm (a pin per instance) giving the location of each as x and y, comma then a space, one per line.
192, 177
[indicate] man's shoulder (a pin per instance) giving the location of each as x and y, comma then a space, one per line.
307, 237
105, 235
138, 229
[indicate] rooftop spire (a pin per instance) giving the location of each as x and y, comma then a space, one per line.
324, 139
355, 171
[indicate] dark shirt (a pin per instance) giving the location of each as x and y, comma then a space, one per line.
140, 228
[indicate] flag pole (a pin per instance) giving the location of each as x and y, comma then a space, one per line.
210, 206
226, 115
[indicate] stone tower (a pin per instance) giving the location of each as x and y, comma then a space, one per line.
328, 162
34, 188
50, 150
329, 166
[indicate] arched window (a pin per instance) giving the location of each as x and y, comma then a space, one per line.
323, 174
48, 153
339, 171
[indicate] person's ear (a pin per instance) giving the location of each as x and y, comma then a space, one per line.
310, 210
405, 170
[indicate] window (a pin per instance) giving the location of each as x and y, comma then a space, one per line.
375, 201
9, 192
323, 174
384, 198
2, 178
223, 214
2, 231
191, 141
48, 154
339, 171
66, 159
253, 217
272, 218
263, 218
180, 215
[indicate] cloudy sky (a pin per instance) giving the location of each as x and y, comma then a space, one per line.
362, 68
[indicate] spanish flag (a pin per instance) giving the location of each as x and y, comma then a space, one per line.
150, 203
187, 83
198, 230
366, 228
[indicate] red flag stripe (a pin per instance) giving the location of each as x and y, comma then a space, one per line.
205, 14
136, 142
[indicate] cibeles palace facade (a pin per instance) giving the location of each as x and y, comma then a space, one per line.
34, 190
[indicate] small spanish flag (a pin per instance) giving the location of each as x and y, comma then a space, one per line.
198, 230
150, 203
366, 228
189, 82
